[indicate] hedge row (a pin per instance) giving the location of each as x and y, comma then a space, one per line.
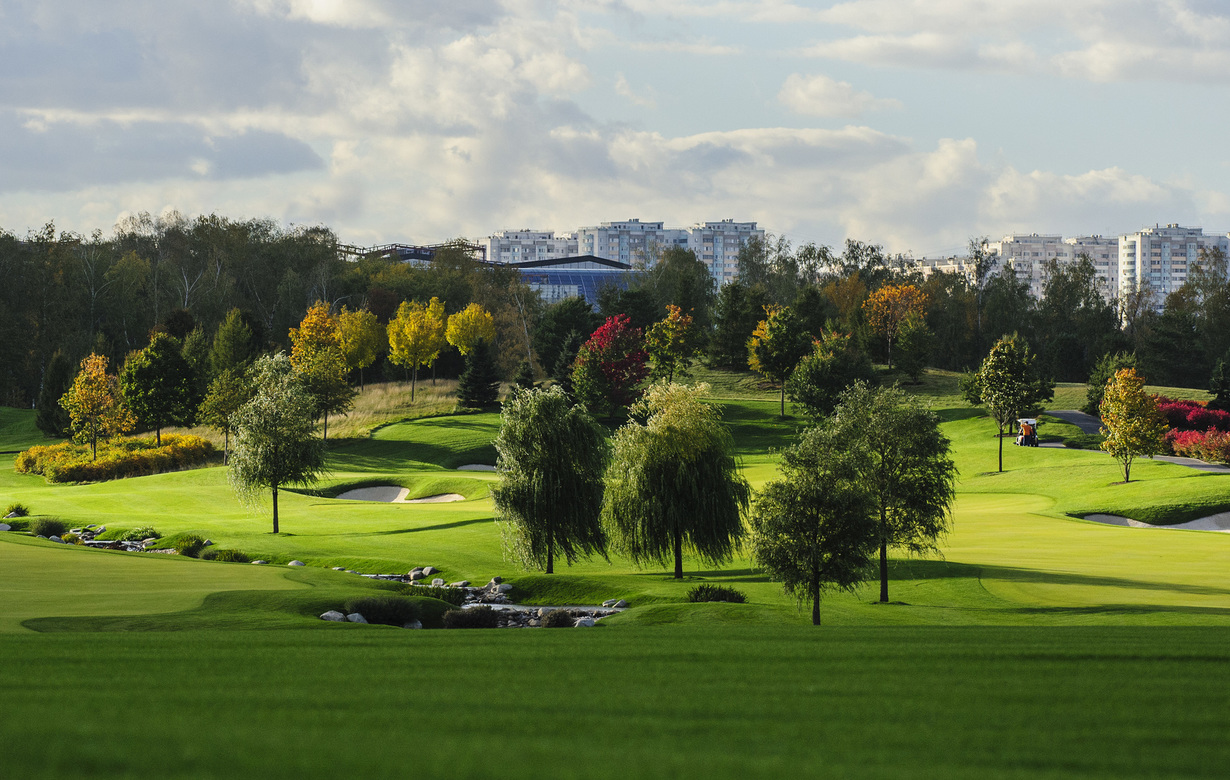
1212, 446
129, 457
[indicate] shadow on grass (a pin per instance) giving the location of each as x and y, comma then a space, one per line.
393, 455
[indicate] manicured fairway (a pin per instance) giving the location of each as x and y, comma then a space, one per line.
711, 701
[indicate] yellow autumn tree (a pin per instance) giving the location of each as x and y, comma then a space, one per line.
889, 306
318, 331
362, 339
94, 404
1131, 420
469, 326
317, 356
416, 336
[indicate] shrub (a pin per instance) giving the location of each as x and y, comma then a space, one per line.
708, 592
478, 617
130, 457
225, 556
385, 610
454, 596
189, 545
140, 534
560, 618
48, 526
1212, 445
70, 538
16, 510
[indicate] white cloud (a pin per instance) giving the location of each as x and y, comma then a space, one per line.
820, 95
643, 98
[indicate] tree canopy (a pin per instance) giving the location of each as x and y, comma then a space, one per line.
776, 347
552, 457
1132, 423
888, 307
95, 405
1008, 384
834, 364
470, 326
610, 366
416, 336
159, 386
672, 343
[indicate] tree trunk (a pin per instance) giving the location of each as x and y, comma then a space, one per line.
883, 570
1001, 449
414, 381
433, 373
678, 554
890, 354
275, 509
325, 437
815, 602
226, 446
362, 387
783, 399
94, 445
158, 436
550, 549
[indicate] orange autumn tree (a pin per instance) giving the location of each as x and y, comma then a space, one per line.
95, 406
889, 306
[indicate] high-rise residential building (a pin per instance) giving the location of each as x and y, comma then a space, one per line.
1162, 257
1028, 255
629, 240
517, 246
717, 244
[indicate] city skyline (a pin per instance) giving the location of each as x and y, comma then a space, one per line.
907, 124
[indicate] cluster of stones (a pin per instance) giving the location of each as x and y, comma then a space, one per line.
355, 617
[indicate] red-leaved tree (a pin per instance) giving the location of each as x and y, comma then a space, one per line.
610, 366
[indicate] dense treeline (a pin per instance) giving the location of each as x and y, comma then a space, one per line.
72, 294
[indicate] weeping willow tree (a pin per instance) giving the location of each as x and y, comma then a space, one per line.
674, 482
551, 459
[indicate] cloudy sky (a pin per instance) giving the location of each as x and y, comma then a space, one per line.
915, 124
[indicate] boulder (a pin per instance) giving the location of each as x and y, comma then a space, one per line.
430, 570
5, 527
417, 575
415, 570
334, 615
296, 563
620, 604
10, 515
57, 540
585, 622
503, 587
148, 542
414, 624
100, 529
461, 584
437, 582
543, 612
496, 580
259, 563
77, 531
609, 603
209, 543
355, 617
40, 536
339, 568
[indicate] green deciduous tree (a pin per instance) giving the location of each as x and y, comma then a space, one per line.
95, 405
674, 481
159, 385
739, 307
776, 347
275, 441
49, 416
915, 343
1008, 383
227, 394
672, 342
1132, 422
552, 456
903, 461
834, 364
814, 529
1103, 371
235, 345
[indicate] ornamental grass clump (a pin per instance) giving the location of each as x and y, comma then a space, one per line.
707, 592
48, 526
560, 618
16, 510
478, 617
189, 545
140, 534
225, 556
385, 610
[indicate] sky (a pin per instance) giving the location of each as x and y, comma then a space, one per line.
913, 124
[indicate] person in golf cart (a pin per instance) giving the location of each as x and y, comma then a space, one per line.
1029, 432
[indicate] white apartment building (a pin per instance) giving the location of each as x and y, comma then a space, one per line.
716, 244
1161, 257
518, 246
1028, 255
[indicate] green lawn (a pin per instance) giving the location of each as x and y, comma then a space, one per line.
1041, 645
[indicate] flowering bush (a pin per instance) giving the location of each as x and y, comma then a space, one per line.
1211, 445
134, 457
1193, 415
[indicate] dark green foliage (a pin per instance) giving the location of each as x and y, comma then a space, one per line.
557, 326
561, 372
678, 278
48, 526
227, 394
235, 345
51, 418
140, 534
160, 386
834, 364
638, 303
225, 556
385, 610
552, 455
903, 460
560, 618
1075, 321
479, 384
706, 592
453, 596
476, 617
17, 510
738, 309
178, 324
196, 354
768, 264
188, 545
1102, 373
524, 377
915, 343
1009, 383
1219, 384
814, 529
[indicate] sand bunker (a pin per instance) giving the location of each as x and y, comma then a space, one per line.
391, 494
1218, 522
476, 467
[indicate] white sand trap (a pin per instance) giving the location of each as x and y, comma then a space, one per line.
476, 467
1218, 522
391, 494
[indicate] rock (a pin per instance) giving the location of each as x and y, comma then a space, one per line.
77, 531
461, 584
209, 543
609, 603
437, 583
496, 580
40, 536
503, 587
620, 604
56, 539
339, 568
414, 624
416, 575
148, 542
535, 622
259, 563
5, 527
296, 563
334, 615
543, 612
416, 569
430, 570
100, 529
355, 617
90, 526
10, 515
585, 622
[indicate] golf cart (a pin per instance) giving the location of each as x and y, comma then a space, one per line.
1028, 436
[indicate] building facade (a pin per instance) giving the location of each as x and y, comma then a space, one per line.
1160, 258
1028, 255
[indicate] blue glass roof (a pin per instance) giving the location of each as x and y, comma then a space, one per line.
555, 284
